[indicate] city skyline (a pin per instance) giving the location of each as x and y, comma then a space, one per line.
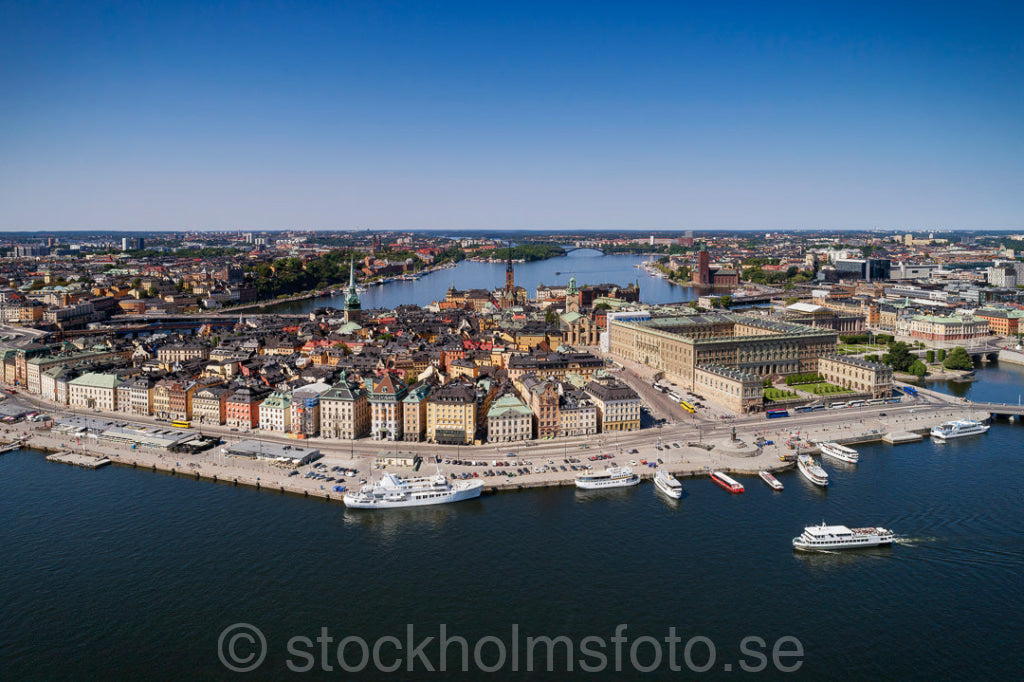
180, 117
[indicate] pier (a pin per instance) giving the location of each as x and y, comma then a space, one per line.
78, 460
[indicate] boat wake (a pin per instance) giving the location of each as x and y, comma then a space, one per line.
913, 542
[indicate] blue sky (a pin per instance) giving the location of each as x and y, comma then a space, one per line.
548, 115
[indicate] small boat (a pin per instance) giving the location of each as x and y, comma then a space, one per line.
840, 537
773, 483
726, 482
811, 471
840, 452
668, 484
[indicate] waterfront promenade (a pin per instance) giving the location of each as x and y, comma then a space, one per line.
686, 460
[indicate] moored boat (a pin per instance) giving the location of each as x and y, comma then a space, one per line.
773, 483
614, 477
840, 452
811, 471
840, 537
668, 484
392, 491
726, 482
958, 429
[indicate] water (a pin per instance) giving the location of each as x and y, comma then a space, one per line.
115, 571
589, 266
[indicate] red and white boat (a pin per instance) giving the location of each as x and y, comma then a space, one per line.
773, 483
724, 481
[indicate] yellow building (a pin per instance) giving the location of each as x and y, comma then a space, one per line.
451, 414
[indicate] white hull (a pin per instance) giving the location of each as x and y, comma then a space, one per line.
771, 481
953, 430
840, 452
462, 491
817, 538
811, 471
663, 484
608, 483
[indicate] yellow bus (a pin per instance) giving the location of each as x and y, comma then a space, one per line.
687, 406
178, 424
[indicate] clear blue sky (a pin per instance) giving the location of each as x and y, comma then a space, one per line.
549, 115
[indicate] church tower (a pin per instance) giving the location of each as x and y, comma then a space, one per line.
510, 276
572, 296
353, 309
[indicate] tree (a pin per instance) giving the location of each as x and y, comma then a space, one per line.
551, 317
958, 359
930, 356
792, 299
942, 354
725, 300
918, 369
899, 357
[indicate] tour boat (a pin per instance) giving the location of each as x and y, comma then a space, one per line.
958, 429
666, 483
811, 471
773, 483
839, 452
726, 482
614, 477
392, 491
841, 537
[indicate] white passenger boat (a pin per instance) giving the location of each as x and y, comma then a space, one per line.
840, 452
958, 429
391, 492
811, 471
773, 483
841, 537
614, 477
666, 483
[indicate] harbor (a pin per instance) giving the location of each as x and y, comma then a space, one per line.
542, 466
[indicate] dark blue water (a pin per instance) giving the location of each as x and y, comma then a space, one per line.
589, 266
128, 573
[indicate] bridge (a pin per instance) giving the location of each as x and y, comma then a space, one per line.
569, 248
1004, 409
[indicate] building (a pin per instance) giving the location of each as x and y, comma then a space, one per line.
353, 308
305, 410
344, 411
753, 345
94, 392
181, 352
387, 417
1001, 322
1002, 276
869, 269
242, 408
414, 406
734, 389
940, 329
815, 315
288, 456
618, 405
577, 414
509, 420
451, 414
275, 412
857, 375
543, 398
554, 365
209, 404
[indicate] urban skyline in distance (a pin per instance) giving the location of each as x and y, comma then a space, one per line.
530, 117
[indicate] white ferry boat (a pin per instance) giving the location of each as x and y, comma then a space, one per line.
839, 452
773, 483
841, 537
668, 484
811, 471
958, 429
391, 492
615, 477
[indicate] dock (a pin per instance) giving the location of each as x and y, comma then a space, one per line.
74, 459
901, 437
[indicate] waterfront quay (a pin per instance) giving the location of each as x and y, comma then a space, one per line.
683, 450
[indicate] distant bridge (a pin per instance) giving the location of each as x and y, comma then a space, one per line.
998, 408
569, 248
